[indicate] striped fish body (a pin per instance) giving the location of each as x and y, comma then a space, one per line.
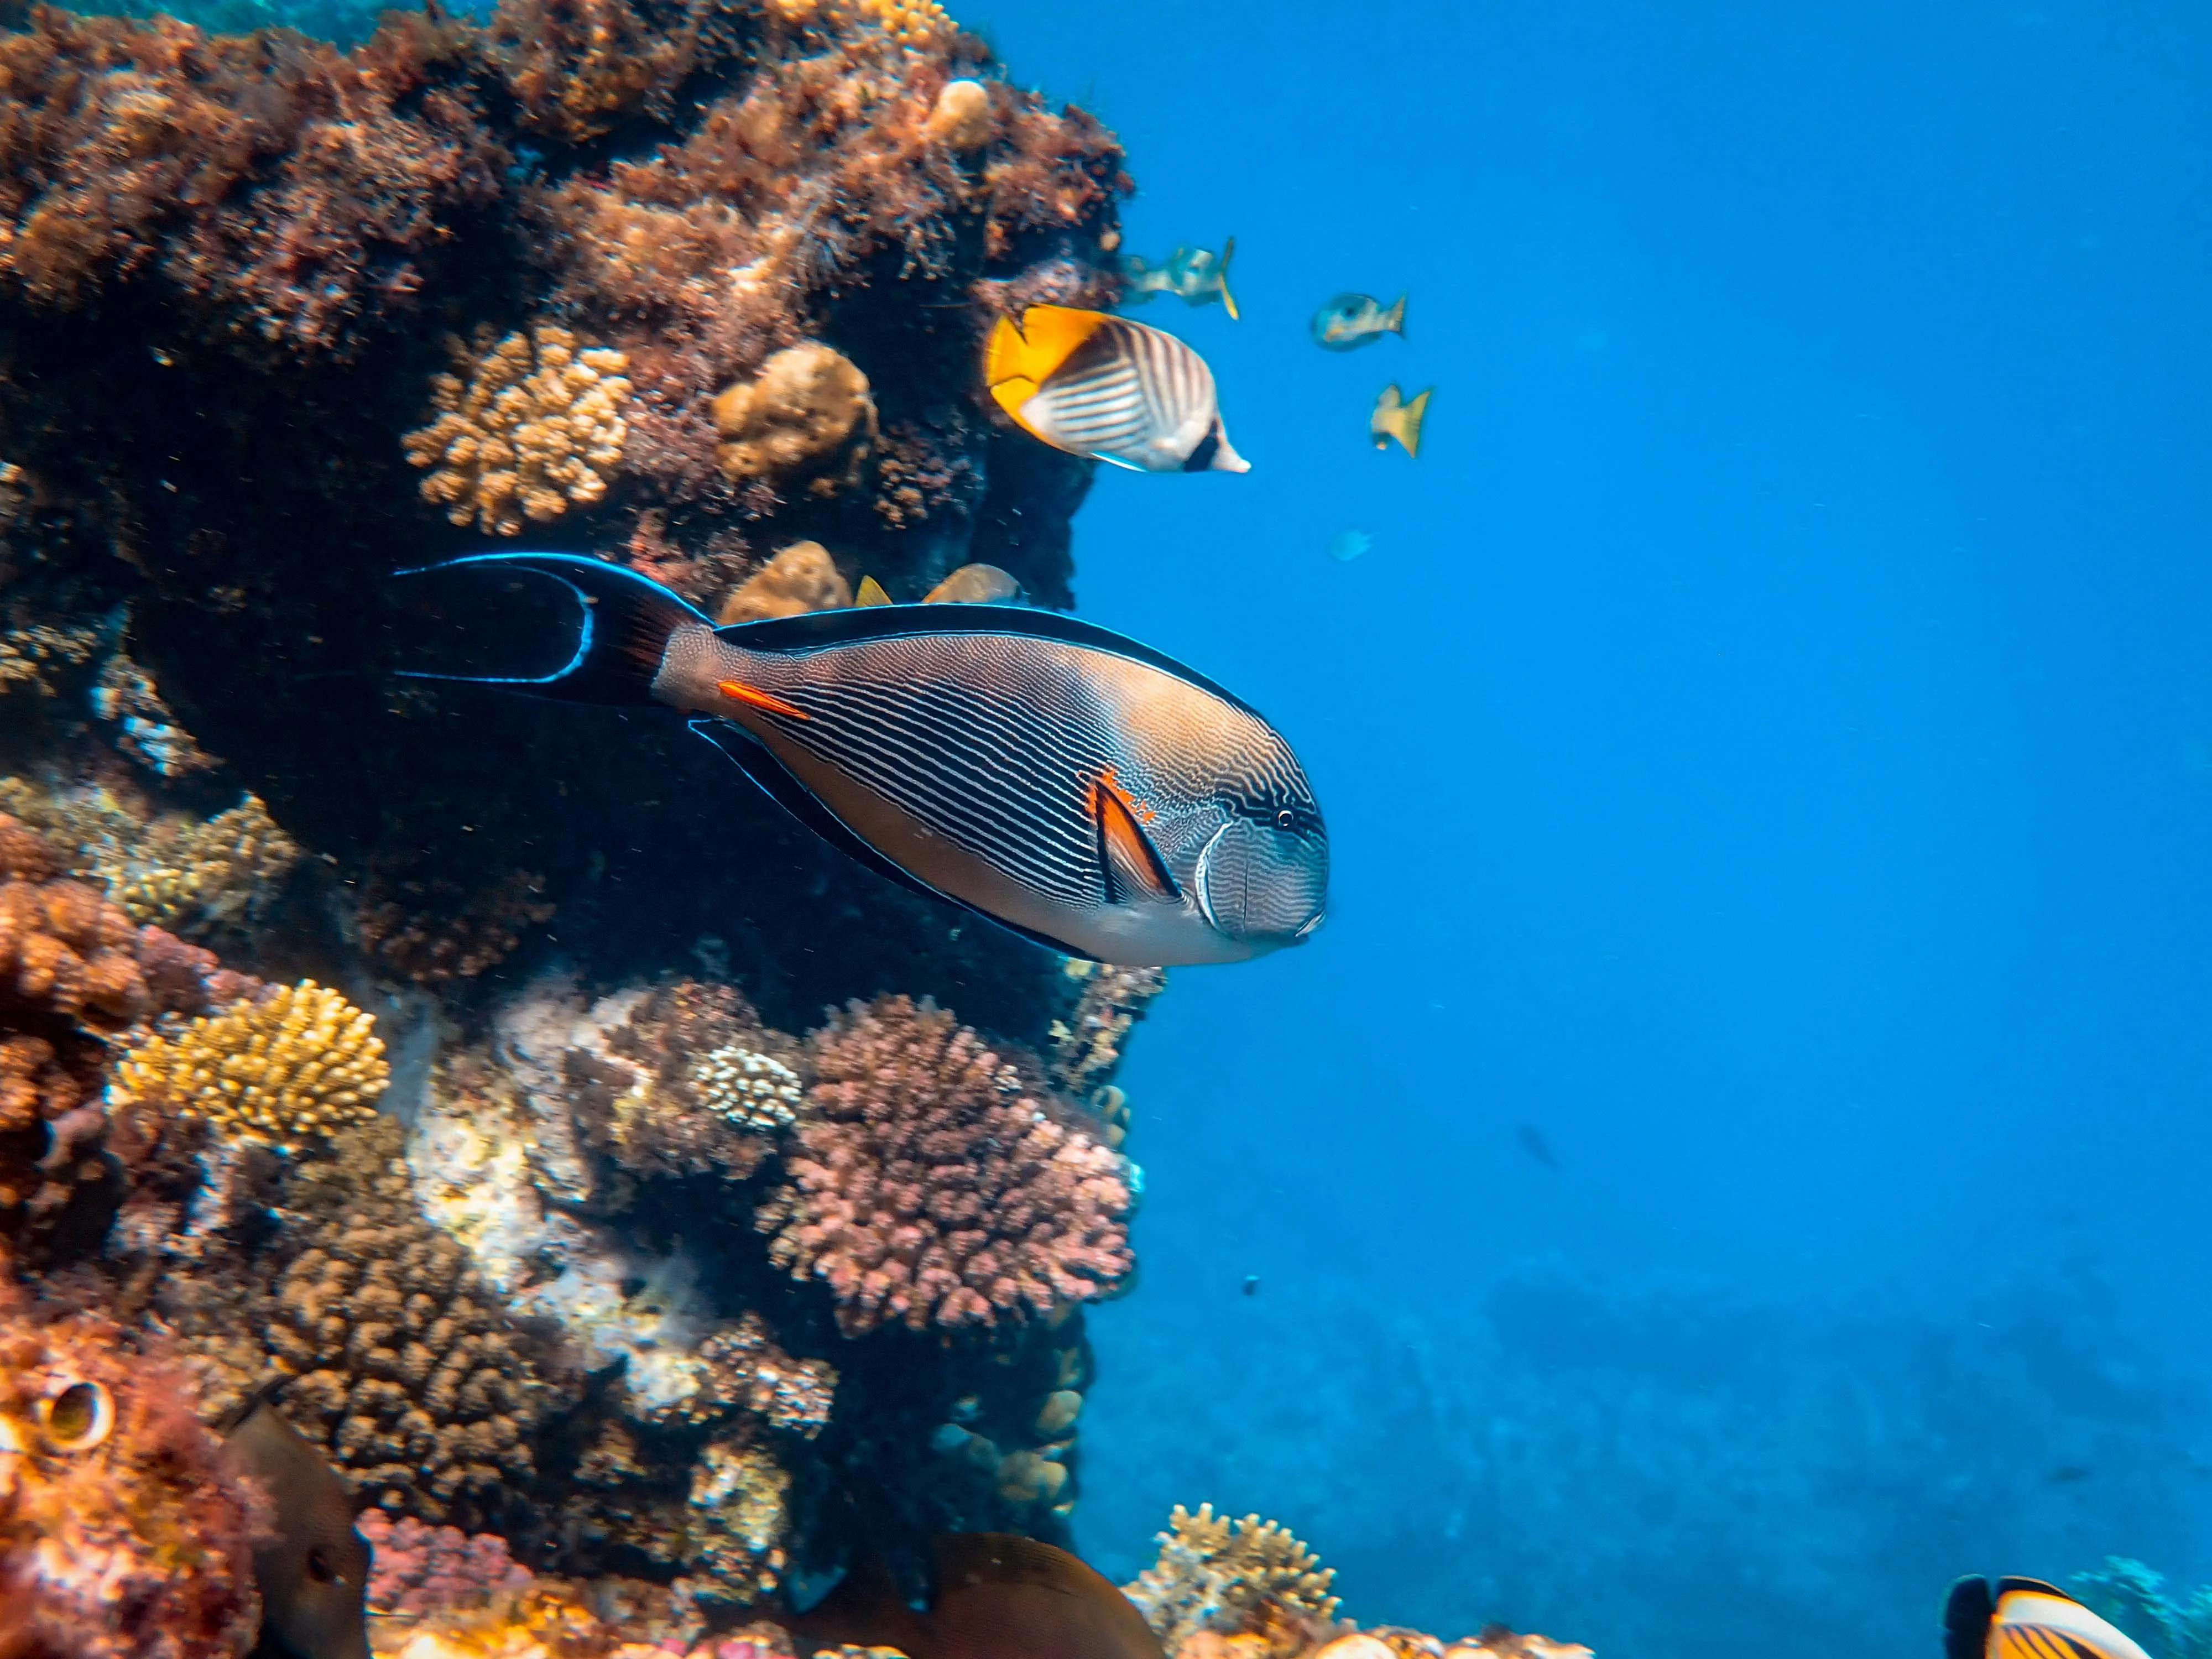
1090, 795
1100, 385
2027, 1619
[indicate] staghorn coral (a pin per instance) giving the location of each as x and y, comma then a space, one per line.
535, 426
932, 1185
419, 1570
1222, 1576
290, 1066
125, 698
119, 1537
807, 415
800, 578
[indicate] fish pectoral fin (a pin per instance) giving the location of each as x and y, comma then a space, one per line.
1130, 865
753, 696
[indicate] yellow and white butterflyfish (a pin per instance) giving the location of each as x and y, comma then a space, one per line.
1102, 385
2027, 1619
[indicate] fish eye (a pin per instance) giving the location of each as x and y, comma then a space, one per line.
77, 1418
318, 1567
1284, 818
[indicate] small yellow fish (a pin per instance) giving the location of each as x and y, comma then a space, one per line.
1352, 320
1106, 387
1396, 416
2026, 1619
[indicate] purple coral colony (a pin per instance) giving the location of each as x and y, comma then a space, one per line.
436, 1066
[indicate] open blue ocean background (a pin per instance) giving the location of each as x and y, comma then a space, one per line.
1768, 752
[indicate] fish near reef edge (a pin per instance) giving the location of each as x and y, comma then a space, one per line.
1100, 385
1352, 320
1074, 786
1196, 276
992, 1595
2026, 1619
312, 1571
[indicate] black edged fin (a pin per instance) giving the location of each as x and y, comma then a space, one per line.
813, 631
1127, 855
1967, 1610
2032, 1586
627, 620
754, 760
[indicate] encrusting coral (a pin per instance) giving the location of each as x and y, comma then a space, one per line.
120, 1536
807, 415
535, 425
932, 1185
1216, 1574
800, 578
293, 1065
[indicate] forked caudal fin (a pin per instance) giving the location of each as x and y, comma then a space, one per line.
626, 622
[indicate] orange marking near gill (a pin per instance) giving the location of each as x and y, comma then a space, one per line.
738, 691
1137, 808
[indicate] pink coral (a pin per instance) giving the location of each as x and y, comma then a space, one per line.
422, 1569
935, 1183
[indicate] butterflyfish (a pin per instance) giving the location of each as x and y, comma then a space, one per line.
1395, 416
1352, 320
2026, 1619
1196, 276
1103, 386
1087, 791
992, 1595
312, 1568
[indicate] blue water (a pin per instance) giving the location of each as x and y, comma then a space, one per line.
1768, 752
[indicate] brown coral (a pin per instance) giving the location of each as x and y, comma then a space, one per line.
535, 425
799, 578
934, 1185
807, 415
120, 1536
434, 930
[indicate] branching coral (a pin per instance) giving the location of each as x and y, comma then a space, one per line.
434, 930
292, 1066
119, 1535
125, 698
536, 425
933, 1185
807, 415
1215, 1574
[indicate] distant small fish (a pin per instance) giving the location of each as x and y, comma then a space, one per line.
1533, 1143
994, 1595
1106, 387
2068, 1475
2026, 1619
1251, 1284
1395, 417
1195, 275
313, 1571
1347, 545
974, 584
1352, 320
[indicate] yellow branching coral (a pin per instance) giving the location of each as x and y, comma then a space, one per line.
286, 1067
537, 425
1221, 1575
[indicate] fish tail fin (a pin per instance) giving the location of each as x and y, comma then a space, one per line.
1967, 1609
1229, 300
627, 622
1410, 417
1394, 321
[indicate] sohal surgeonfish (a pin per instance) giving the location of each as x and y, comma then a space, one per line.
994, 1596
2026, 1619
1195, 275
313, 1569
1352, 320
1395, 416
1066, 782
1103, 386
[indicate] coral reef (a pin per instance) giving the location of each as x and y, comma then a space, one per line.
36, 654
799, 578
807, 415
125, 698
2136, 1598
292, 1064
536, 425
421, 1570
1216, 1575
437, 930
933, 1185
119, 1535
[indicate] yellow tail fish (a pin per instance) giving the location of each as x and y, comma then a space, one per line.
1068, 783
1106, 387
1396, 417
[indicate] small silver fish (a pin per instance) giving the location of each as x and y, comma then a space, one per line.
1347, 545
313, 1571
1098, 385
1195, 275
1068, 783
1351, 320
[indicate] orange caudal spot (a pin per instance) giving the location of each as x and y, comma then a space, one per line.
738, 691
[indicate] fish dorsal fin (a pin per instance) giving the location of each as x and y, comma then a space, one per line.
2036, 1621
1228, 300
1046, 338
871, 592
1130, 863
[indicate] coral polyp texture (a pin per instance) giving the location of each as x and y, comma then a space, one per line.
419, 1570
120, 1536
535, 425
295, 1064
933, 1185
